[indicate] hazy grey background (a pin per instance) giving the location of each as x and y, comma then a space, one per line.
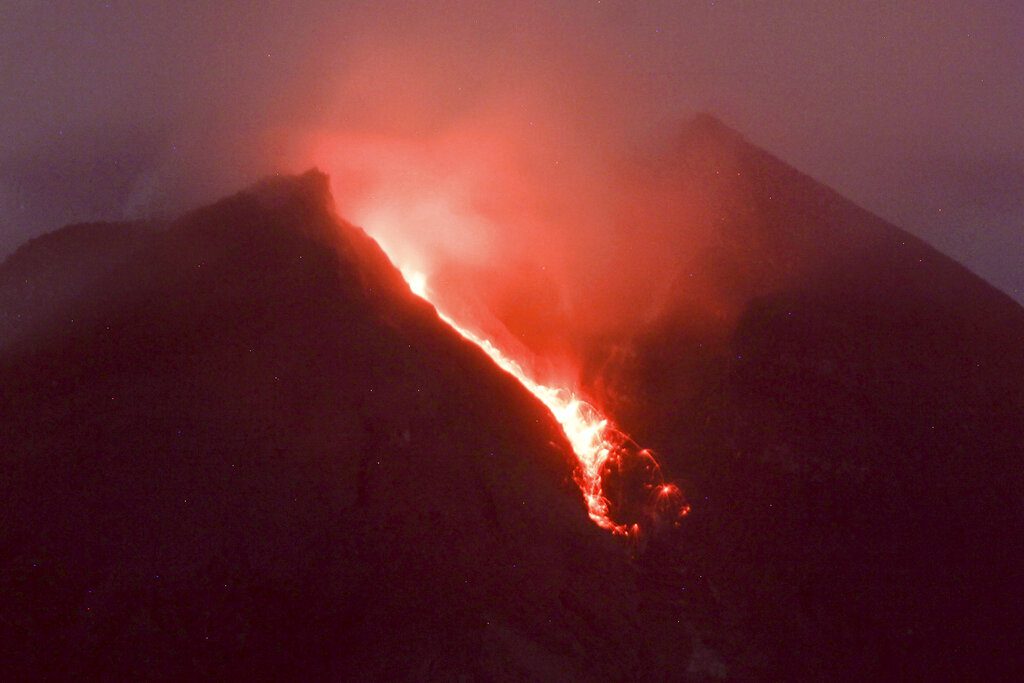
912, 109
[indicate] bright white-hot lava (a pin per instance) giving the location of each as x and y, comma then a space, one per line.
605, 456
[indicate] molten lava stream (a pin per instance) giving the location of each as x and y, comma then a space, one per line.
606, 457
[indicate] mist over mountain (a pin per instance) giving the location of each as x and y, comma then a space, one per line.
237, 445
117, 110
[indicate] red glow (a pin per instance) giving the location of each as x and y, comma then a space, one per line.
517, 211
487, 224
602, 451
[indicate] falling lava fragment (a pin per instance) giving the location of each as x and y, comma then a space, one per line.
607, 458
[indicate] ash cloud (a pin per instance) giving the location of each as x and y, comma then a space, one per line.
522, 142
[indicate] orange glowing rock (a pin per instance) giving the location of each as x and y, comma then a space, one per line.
604, 454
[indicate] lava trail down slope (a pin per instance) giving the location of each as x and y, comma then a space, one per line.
642, 497
250, 451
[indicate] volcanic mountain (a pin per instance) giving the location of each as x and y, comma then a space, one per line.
248, 451
237, 445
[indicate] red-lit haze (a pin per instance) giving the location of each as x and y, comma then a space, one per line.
509, 159
121, 109
536, 219
520, 229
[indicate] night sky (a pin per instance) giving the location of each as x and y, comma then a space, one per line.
124, 109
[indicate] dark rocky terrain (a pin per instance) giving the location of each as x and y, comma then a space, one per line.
48, 276
248, 452
844, 404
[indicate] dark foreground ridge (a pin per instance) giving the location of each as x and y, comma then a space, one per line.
248, 452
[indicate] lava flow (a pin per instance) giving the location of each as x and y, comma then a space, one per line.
622, 484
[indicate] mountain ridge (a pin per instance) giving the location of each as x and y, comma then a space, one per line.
842, 401
258, 454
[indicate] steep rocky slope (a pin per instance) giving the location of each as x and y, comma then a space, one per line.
844, 403
251, 453
43, 278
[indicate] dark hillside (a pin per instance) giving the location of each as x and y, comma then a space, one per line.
263, 458
41, 280
844, 403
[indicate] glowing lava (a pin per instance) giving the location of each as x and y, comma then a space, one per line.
607, 457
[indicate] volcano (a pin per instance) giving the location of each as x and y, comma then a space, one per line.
238, 445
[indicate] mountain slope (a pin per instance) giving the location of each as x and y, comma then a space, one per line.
844, 403
40, 280
253, 453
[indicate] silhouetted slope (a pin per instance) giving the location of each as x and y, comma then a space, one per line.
263, 458
40, 281
844, 404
